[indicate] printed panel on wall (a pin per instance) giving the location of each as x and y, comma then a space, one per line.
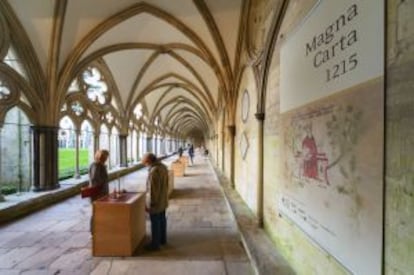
332, 117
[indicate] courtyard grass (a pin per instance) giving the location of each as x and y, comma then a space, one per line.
67, 162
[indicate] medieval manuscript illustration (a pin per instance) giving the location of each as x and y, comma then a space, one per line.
332, 169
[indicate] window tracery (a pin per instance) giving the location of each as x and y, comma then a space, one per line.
4, 91
77, 108
8, 93
13, 61
138, 111
109, 117
94, 85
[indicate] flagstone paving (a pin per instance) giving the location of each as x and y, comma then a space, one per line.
203, 236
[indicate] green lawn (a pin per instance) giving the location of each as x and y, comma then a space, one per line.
67, 162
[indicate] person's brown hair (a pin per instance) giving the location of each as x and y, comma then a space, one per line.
101, 156
149, 158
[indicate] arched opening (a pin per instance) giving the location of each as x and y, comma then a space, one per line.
15, 153
67, 148
86, 147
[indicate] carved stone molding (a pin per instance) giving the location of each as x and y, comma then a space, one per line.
4, 38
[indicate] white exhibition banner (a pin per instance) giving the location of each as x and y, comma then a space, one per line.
338, 45
332, 113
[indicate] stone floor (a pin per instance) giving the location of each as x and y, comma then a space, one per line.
203, 237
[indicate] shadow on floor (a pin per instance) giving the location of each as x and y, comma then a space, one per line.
191, 193
196, 245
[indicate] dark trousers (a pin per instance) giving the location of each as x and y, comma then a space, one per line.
158, 229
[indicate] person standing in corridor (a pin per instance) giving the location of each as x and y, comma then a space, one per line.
191, 153
157, 200
98, 177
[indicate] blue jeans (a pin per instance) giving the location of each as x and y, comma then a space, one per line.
158, 229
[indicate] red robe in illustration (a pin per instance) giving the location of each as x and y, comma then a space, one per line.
310, 160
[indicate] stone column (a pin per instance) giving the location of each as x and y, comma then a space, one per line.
96, 142
77, 173
155, 145
232, 133
123, 154
110, 151
155, 141
223, 140
169, 145
217, 149
144, 144
163, 146
138, 144
260, 188
45, 158
1, 196
149, 144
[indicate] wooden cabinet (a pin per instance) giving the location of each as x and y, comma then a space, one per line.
170, 181
118, 224
178, 167
184, 159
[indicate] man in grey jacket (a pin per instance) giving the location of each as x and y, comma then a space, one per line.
157, 200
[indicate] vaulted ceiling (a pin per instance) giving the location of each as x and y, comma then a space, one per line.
177, 58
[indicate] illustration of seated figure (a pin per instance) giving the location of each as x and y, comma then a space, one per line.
310, 154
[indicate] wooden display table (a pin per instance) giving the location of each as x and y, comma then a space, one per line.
178, 167
170, 181
185, 160
118, 224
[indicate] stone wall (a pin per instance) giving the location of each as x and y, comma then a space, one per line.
305, 256
246, 144
399, 164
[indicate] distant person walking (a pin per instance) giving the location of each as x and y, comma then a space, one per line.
191, 153
180, 152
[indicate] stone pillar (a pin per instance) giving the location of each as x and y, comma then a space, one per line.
155, 145
260, 188
143, 144
223, 139
217, 149
77, 136
232, 133
149, 144
96, 142
169, 145
166, 145
45, 158
162, 146
138, 144
110, 151
123, 154
155, 141
1, 196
